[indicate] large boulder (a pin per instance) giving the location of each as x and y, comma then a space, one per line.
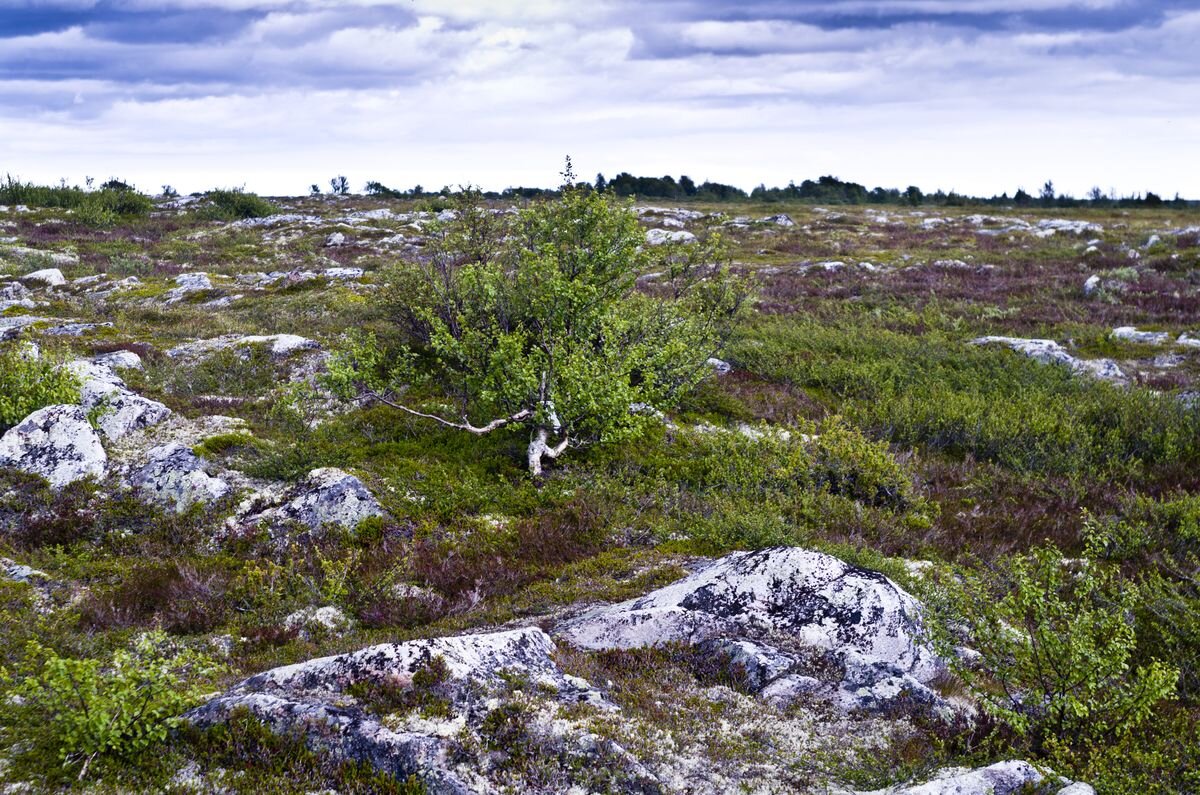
468, 674
56, 442
119, 411
174, 477
793, 622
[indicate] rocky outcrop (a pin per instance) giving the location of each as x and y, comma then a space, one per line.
281, 346
326, 496
1132, 334
658, 237
1003, 778
56, 442
50, 277
313, 699
118, 410
790, 622
187, 284
1050, 352
174, 477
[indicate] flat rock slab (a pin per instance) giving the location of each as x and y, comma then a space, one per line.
770, 613
1050, 352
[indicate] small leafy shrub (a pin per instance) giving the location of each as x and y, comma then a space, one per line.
182, 598
848, 464
28, 384
1055, 643
80, 710
235, 204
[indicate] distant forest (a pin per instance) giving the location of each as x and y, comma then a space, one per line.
826, 190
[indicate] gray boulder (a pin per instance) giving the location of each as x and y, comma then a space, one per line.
56, 442
312, 699
792, 621
1132, 334
186, 284
51, 277
326, 496
120, 411
174, 477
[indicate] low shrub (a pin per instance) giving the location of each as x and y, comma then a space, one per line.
28, 383
80, 710
234, 204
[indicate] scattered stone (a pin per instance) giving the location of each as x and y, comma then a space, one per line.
188, 283
1050, 352
56, 442
74, 329
311, 699
174, 478
334, 240
119, 360
343, 274
1188, 341
781, 219
658, 237
1131, 334
1153, 241
19, 573
281, 345
806, 623
311, 623
326, 496
719, 366
1092, 285
51, 277
60, 259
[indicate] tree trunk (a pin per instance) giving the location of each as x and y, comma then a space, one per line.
540, 448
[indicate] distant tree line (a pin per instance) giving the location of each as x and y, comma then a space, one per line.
825, 190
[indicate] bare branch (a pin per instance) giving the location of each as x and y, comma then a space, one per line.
465, 425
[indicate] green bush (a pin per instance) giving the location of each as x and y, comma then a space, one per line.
103, 207
235, 204
28, 384
84, 709
1055, 642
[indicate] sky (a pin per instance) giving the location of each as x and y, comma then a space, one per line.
976, 96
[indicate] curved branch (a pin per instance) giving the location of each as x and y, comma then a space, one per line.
465, 425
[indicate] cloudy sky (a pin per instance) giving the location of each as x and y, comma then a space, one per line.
979, 96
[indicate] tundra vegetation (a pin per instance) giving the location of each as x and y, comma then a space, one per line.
531, 406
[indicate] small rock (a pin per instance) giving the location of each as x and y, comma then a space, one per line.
326, 496
315, 622
56, 442
335, 239
174, 477
1050, 352
51, 277
188, 283
779, 220
719, 366
1131, 334
342, 274
658, 237
1092, 285
119, 360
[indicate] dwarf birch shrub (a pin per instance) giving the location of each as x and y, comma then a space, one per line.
28, 383
84, 709
1055, 642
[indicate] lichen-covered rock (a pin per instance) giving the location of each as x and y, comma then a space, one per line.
281, 346
1050, 352
658, 237
119, 360
119, 411
326, 496
174, 477
56, 442
1002, 778
187, 283
779, 613
313, 622
1132, 334
51, 277
312, 698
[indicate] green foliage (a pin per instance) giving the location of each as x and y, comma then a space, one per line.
1055, 642
83, 709
931, 390
113, 202
28, 384
235, 204
533, 320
